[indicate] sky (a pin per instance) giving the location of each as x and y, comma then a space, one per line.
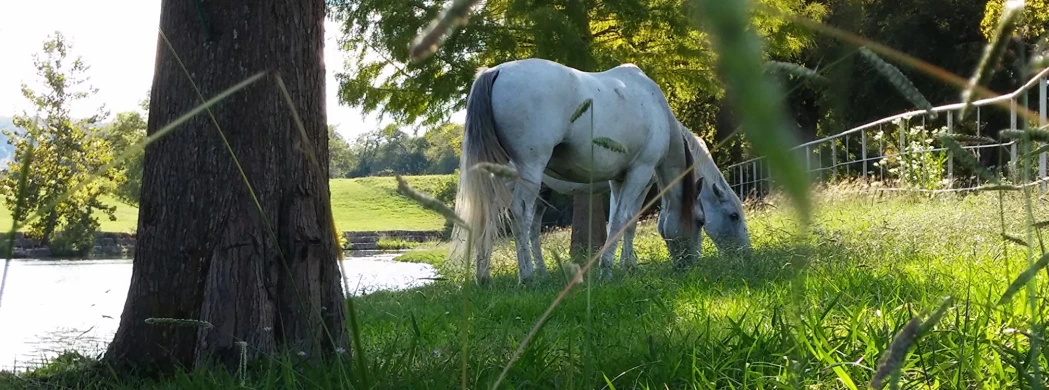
118, 40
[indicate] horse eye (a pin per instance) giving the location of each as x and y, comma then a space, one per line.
734, 216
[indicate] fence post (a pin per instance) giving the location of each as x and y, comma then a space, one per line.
833, 161
808, 162
757, 180
742, 183
1041, 123
950, 153
1012, 148
863, 152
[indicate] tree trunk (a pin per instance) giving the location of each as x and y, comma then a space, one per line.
49, 228
205, 252
594, 226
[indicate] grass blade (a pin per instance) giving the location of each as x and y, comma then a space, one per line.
992, 53
1022, 280
755, 96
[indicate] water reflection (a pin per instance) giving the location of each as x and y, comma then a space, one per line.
51, 306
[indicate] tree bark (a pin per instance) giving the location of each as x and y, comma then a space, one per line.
582, 226
205, 251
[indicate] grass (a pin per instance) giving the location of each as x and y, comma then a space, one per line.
372, 203
815, 311
360, 204
126, 222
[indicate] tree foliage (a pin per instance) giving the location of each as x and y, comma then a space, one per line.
659, 36
1034, 22
129, 128
340, 157
66, 151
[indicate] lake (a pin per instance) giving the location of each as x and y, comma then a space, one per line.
54, 305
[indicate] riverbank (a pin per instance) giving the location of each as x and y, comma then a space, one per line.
116, 245
812, 310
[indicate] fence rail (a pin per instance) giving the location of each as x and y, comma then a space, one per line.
899, 153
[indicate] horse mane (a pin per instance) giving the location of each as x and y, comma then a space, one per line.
706, 168
689, 191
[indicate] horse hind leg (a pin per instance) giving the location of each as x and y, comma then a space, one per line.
627, 258
526, 190
537, 229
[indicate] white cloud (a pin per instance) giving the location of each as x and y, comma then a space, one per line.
118, 40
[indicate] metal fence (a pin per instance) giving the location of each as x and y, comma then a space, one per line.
901, 151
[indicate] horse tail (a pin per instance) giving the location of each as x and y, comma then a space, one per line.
482, 200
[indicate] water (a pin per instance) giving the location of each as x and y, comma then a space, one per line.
51, 305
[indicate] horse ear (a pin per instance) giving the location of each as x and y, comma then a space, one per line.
717, 192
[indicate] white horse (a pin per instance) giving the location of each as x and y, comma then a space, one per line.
726, 222
519, 112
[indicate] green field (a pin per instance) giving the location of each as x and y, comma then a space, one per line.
358, 204
126, 222
372, 203
813, 311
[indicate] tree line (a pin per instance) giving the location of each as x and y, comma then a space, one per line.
388, 151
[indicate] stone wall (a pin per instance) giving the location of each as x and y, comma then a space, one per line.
122, 245
107, 244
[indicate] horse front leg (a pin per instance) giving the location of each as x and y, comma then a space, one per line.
632, 187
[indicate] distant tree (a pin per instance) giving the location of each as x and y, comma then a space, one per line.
443, 146
341, 159
66, 151
128, 129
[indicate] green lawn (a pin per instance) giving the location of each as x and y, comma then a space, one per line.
815, 311
358, 204
372, 203
126, 222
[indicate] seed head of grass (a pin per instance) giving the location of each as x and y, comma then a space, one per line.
428, 41
1039, 134
897, 79
579, 111
429, 203
893, 359
966, 158
795, 70
498, 170
179, 322
610, 144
